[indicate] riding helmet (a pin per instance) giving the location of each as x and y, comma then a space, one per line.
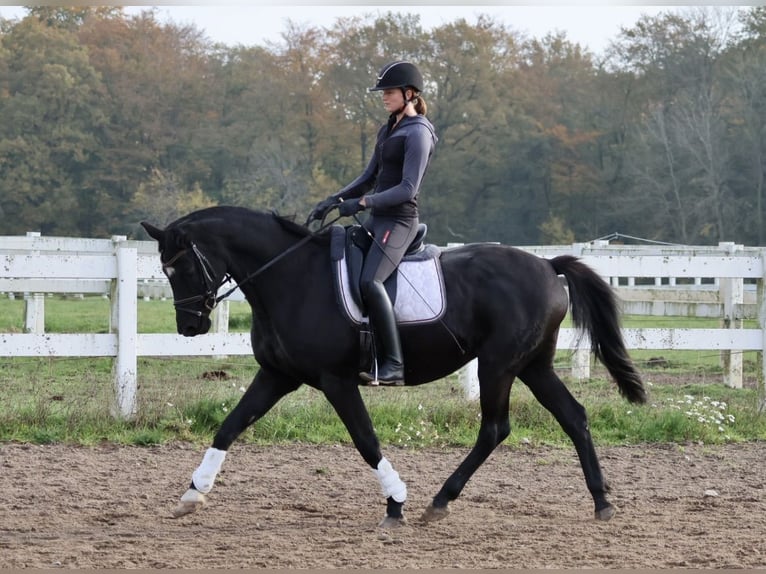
399, 74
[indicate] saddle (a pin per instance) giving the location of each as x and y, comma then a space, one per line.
416, 289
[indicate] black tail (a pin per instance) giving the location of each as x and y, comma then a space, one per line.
595, 311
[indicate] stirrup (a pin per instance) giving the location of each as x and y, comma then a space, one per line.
373, 380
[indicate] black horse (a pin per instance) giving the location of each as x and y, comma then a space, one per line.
504, 306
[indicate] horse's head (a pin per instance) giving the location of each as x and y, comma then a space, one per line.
193, 277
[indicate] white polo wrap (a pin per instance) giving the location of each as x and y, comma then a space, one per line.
390, 482
204, 477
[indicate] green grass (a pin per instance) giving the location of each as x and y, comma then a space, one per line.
91, 315
44, 400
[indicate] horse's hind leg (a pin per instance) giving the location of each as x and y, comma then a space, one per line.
495, 385
264, 392
570, 414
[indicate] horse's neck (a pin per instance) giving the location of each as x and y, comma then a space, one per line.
257, 262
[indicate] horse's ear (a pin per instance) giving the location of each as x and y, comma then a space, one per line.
154, 232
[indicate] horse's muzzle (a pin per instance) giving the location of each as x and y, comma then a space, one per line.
187, 328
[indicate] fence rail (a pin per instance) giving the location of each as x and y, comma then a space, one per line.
727, 280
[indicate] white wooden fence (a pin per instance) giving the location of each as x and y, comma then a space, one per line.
35, 265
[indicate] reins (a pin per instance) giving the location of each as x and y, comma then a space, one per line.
274, 260
209, 296
211, 300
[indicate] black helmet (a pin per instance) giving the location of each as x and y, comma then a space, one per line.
399, 74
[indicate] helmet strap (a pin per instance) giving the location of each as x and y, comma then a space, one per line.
406, 101
404, 96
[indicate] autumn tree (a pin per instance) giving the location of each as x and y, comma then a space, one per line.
680, 167
156, 86
109, 118
744, 71
471, 68
50, 105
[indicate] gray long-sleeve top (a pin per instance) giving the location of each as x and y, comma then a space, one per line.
396, 169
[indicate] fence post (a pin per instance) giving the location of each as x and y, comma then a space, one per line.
581, 352
220, 320
469, 380
762, 326
581, 359
34, 303
732, 294
125, 324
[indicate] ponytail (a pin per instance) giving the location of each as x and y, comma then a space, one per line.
420, 105
417, 100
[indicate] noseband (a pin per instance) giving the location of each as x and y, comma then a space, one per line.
210, 284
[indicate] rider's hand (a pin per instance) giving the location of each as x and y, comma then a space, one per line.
350, 207
320, 210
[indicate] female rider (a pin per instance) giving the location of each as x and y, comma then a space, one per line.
394, 175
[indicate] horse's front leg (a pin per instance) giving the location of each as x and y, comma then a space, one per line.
264, 392
347, 402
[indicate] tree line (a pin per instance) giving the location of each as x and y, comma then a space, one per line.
108, 119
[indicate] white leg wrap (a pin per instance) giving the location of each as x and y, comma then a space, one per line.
390, 482
204, 477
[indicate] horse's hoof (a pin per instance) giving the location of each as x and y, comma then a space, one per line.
390, 522
185, 508
191, 502
432, 513
606, 513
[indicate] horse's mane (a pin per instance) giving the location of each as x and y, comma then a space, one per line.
288, 224
234, 213
227, 212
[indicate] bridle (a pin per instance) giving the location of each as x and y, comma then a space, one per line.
208, 277
212, 285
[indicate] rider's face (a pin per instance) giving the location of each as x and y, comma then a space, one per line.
393, 100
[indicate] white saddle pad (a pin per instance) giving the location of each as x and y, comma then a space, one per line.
420, 294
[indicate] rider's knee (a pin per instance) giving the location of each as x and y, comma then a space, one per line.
367, 286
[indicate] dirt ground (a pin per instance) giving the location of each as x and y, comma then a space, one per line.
303, 506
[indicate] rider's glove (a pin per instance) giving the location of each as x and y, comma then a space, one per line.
320, 210
349, 207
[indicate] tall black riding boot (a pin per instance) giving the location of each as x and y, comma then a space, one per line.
388, 347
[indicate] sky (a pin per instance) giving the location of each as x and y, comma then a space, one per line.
592, 25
